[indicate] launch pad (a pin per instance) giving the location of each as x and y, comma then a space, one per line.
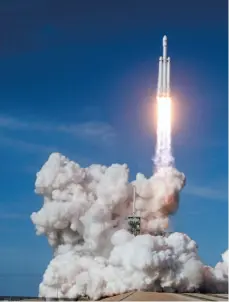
134, 225
134, 221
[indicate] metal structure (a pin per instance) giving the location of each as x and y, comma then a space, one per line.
134, 222
164, 72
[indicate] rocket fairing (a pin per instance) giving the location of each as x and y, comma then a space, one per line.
163, 87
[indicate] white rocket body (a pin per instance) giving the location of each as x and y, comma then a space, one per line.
163, 89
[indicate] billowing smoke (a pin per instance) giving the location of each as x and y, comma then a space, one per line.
84, 218
216, 279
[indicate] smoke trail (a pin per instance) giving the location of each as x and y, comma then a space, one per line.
163, 154
84, 218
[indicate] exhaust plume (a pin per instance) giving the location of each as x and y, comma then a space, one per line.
163, 154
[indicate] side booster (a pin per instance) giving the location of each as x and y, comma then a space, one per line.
163, 87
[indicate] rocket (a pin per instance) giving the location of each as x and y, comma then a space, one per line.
163, 87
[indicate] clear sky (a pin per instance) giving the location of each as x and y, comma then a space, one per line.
90, 68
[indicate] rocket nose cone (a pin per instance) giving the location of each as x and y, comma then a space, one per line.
164, 41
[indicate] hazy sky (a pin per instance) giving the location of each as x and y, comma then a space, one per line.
90, 68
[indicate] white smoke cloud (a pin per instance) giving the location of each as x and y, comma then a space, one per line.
84, 218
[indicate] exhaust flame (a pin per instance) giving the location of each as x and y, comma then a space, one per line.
163, 156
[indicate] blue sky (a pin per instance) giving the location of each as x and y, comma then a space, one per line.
79, 77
